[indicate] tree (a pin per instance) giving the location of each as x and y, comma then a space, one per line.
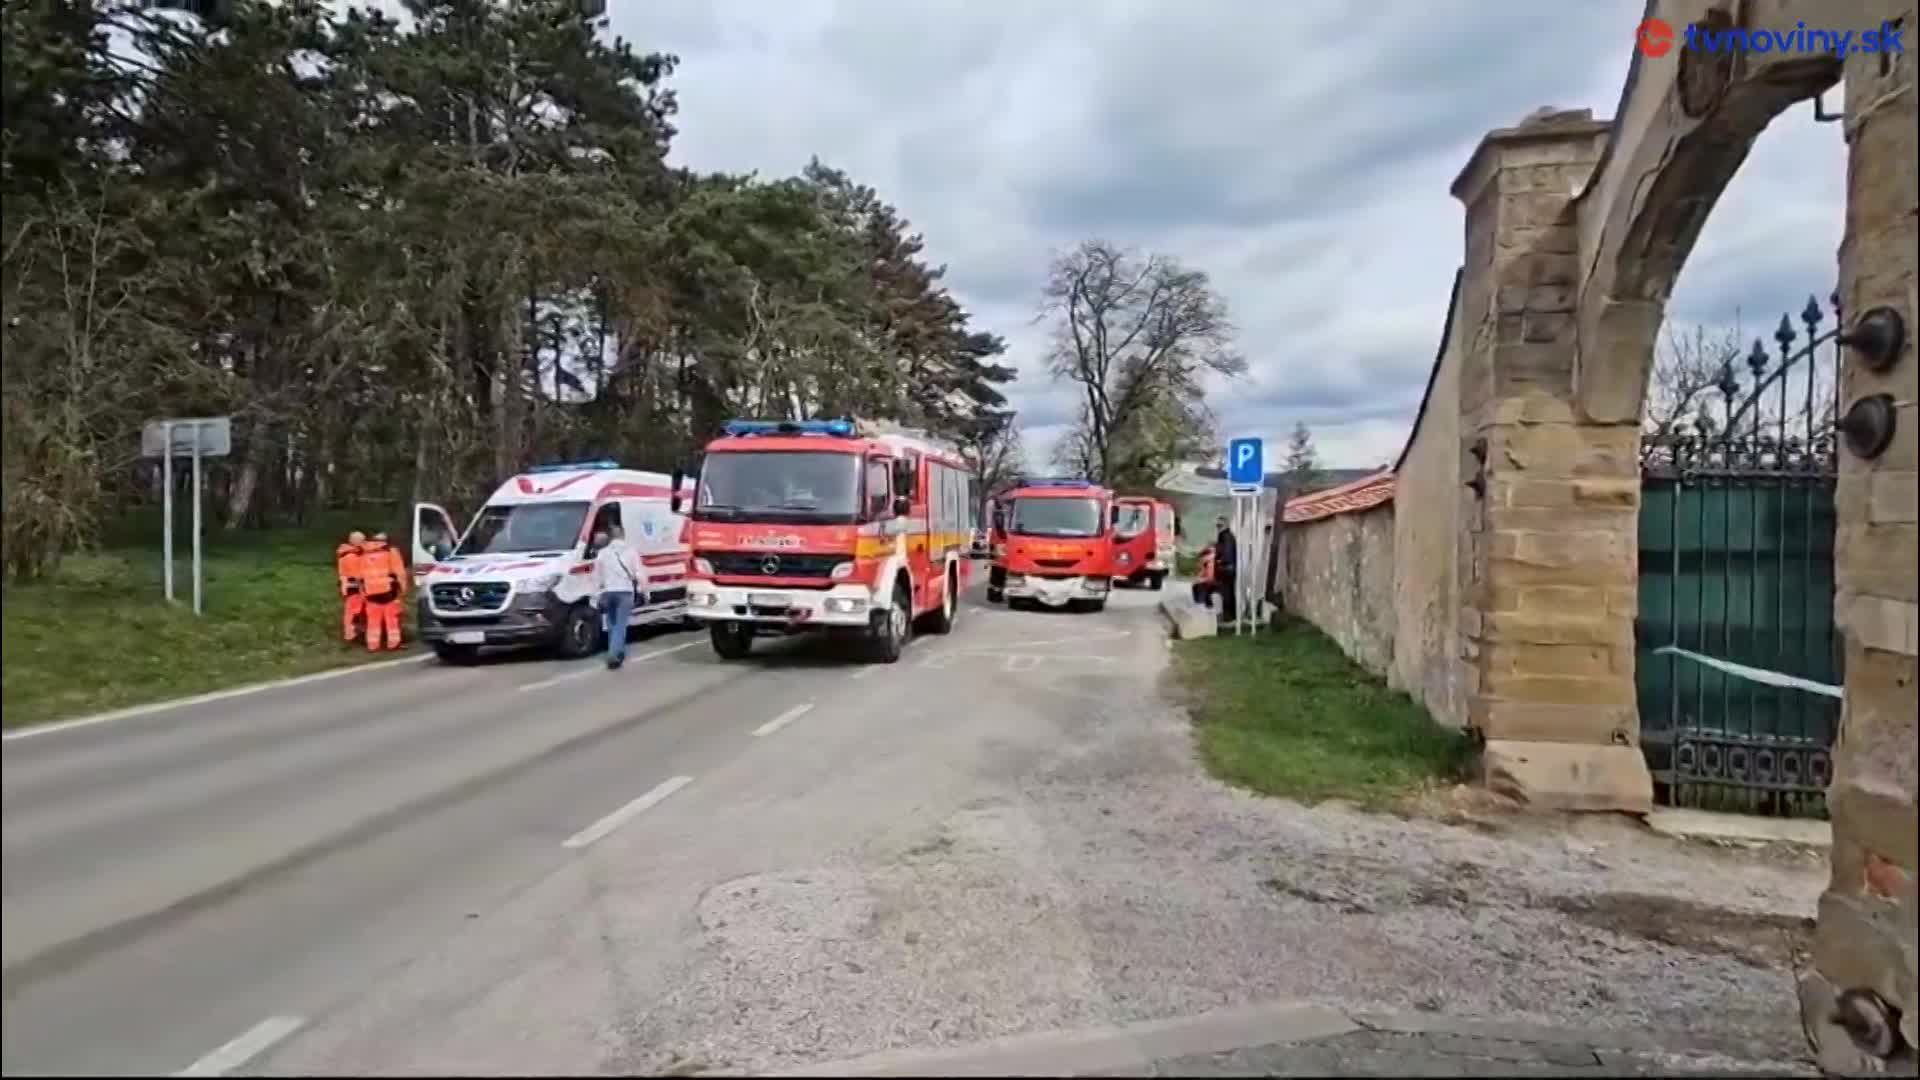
991, 447
1686, 367
1302, 462
1137, 334
411, 259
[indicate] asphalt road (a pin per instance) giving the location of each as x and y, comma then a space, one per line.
497, 868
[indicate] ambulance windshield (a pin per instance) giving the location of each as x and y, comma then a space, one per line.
518, 528
1056, 517
821, 487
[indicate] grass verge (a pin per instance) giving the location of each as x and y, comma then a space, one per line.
1286, 713
97, 634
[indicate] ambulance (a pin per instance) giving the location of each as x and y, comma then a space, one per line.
856, 528
1055, 546
1143, 541
521, 574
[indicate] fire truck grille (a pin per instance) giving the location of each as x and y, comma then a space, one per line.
772, 564
463, 596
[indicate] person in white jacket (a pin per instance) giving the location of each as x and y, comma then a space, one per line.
616, 577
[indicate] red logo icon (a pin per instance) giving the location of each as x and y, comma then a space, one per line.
1654, 38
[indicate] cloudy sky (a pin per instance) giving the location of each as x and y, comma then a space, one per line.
1298, 152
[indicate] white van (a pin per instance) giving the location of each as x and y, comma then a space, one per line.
522, 572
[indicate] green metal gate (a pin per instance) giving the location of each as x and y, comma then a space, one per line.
1739, 666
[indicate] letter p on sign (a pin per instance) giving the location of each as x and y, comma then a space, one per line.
1246, 464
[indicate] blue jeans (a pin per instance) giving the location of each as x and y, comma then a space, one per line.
616, 607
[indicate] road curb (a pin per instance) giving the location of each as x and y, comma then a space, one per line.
1090, 1050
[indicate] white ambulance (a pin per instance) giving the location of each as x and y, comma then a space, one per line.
522, 572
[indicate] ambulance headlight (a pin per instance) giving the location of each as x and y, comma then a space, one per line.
704, 599
542, 584
845, 605
702, 566
842, 571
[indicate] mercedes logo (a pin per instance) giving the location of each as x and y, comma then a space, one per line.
466, 594
770, 564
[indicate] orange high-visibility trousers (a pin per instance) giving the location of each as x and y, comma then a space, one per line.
383, 615
355, 609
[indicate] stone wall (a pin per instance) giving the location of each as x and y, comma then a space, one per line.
1426, 499
1866, 938
1339, 576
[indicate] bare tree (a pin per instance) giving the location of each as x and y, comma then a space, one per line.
1687, 366
991, 448
1135, 333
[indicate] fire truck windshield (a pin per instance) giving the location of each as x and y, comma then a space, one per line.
1055, 517
1132, 520
524, 527
801, 486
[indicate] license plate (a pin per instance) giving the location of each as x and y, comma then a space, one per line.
767, 599
468, 637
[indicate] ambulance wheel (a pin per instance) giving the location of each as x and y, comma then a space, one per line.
449, 653
731, 640
940, 620
580, 633
890, 629
1158, 579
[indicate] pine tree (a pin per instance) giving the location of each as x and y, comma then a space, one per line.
1303, 463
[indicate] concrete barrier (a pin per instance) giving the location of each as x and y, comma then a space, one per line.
1189, 620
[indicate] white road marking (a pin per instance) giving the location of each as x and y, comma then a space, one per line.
556, 680
641, 805
251, 1044
203, 699
864, 671
1108, 635
937, 660
1018, 662
783, 720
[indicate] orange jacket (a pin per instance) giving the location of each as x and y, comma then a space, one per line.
346, 564
383, 573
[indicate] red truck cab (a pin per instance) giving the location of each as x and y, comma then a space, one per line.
799, 525
1053, 545
1143, 541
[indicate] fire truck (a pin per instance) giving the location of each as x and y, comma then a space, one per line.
1054, 545
1143, 541
836, 525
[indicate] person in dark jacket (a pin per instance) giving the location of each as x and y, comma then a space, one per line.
1226, 568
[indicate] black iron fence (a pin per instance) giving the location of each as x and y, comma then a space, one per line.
1739, 667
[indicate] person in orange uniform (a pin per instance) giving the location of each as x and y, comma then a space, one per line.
1203, 588
346, 563
383, 577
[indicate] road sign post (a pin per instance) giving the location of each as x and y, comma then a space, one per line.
197, 438
1246, 480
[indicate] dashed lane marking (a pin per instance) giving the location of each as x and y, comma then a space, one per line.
600, 829
783, 720
251, 1043
556, 680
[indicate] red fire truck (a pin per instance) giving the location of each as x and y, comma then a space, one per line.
1143, 540
828, 525
1054, 545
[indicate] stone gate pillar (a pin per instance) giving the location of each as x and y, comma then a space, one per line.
1864, 948
1550, 516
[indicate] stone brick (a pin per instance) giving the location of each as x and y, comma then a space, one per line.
1608, 491
1609, 571
1547, 599
1558, 776
1571, 449
1568, 628
1885, 879
1877, 622
1856, 944
1535, 210
1581, 661
1532, 409
1544, 325
1878, 560
1871, 814
1561, 550
1546, 240
1880, 174
1877, 727
1557, 690
1616, 353
1584, 519
1893, 497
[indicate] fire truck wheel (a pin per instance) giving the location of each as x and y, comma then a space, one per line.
731, 641
892, 627
996, 596
580, 634
940, 620
1159, 578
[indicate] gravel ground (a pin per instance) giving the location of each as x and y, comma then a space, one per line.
1100, 876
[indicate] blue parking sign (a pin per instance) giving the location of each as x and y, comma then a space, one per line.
1246, 463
